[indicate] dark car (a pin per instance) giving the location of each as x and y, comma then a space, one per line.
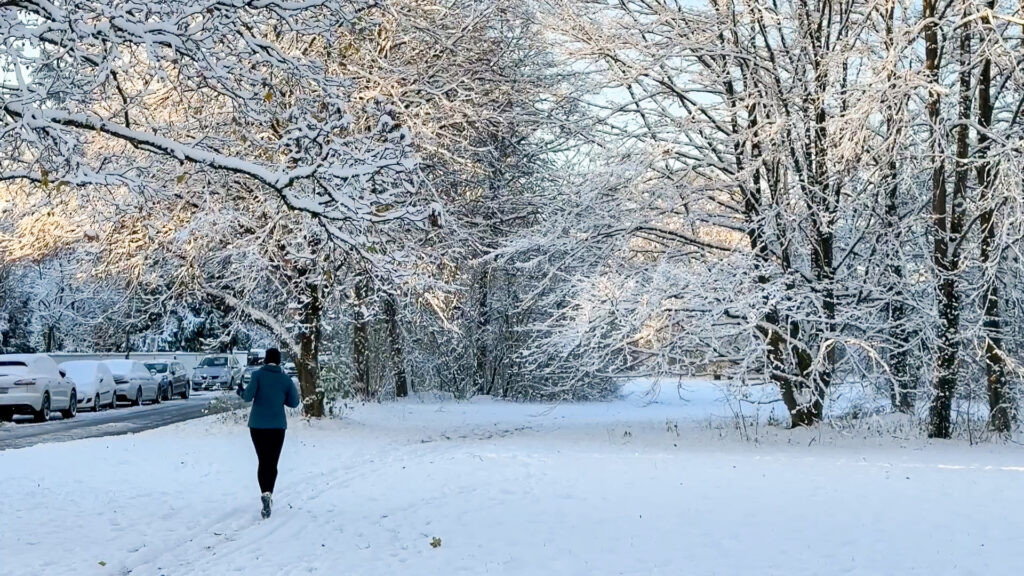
216, 372
172, 376
255, 357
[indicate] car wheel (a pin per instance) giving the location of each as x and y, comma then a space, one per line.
138, 397
156, 396
113, 399
72, 409
186, 393
43, 414
96, 403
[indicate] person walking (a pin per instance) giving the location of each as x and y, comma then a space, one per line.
269, 390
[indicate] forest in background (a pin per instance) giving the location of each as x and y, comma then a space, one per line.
527, 199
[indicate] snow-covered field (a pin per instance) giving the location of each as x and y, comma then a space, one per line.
644, 485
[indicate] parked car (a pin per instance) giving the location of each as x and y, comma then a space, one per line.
94, 382
33, 384
290, 369
217, 371
172, 377
255, 357
247, 373
293, 372
133, 383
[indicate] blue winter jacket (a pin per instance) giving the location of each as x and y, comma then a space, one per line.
270, 390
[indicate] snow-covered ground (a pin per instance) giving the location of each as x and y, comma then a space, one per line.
650, 484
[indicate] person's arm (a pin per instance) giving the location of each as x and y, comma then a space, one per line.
250, 390
291, 395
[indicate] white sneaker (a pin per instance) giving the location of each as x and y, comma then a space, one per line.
268, 501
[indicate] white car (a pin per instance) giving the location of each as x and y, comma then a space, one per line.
94, 382
133, 383
32, 384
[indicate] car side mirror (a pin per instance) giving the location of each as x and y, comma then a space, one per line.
63, 374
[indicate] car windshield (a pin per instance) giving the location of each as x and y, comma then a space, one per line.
13, 368
157, 367
214, 361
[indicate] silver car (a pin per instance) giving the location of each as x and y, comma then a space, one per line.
216, 372
248, 372
133, 383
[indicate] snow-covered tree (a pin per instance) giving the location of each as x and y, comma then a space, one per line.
131, 94
141, 99
783, 205
472, 82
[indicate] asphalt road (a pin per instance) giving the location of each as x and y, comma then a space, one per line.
123, 420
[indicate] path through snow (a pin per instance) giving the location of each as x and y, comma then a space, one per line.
626, 487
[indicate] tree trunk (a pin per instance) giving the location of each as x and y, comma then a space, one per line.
397, 352
1001, 405
780, 372
903, 393
308, 363
904, 377
947, 225
810, 405
481, 381
940, 411
822, 198
361, 339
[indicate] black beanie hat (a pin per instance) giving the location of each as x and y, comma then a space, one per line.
273, 356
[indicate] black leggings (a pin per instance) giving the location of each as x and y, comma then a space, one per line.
268, 442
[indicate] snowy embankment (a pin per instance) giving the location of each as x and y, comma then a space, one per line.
643, 485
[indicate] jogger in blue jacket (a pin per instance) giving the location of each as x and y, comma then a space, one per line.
269, 390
